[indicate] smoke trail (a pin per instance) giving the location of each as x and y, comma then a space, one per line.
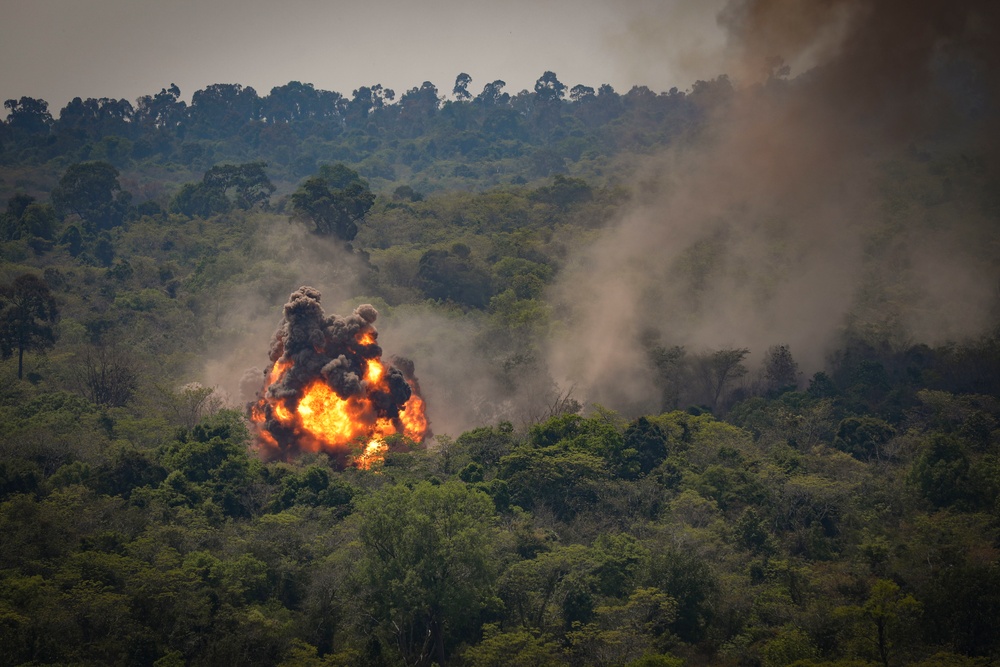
854, 195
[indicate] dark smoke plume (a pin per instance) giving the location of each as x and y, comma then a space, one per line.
310, 346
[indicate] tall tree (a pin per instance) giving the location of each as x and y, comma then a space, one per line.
719, 369
27, 314
335, 201
300, 101
781, 372
163, 110
427, 565
417, 107
222, 109
461, 89
28, 116
493, 94
92, 191
548, 88
96, 117
223, 187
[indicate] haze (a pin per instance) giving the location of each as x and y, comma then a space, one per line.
60, 49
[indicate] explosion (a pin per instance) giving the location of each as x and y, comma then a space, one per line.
328, 389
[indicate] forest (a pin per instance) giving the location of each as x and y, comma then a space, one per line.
706, 381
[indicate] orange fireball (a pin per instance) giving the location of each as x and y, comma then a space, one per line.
328, 389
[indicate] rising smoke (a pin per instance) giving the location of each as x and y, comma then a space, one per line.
842, 188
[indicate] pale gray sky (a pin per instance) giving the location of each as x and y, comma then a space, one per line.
60, 49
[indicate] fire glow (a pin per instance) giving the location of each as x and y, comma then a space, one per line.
328, 390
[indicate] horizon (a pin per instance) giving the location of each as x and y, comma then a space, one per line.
66, 49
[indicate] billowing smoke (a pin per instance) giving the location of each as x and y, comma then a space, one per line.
844, 185
328, 390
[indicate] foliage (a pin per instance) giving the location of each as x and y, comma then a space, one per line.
91, 190
27, 317
426, 560
752, 517
248, 184
335, 200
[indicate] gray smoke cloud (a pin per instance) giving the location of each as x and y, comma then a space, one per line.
844, 185
246, 310
463, 386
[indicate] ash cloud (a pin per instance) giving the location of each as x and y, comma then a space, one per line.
327, 347
842, 188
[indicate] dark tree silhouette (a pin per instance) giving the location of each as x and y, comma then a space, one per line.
335, 201
461, 89
92, 191
26, 318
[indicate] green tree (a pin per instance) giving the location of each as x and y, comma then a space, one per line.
427, 565
564, 192
646, 444
885, 623
221, 109
486, 445
248, 183
946, 476
548, 88
91, 190
864, 438
223, 187
28, 116
688, 579
301, 101
453, 275
27, 317
335, 201
515, 648
25, 218
962, 605
194, 199
780, 370
563, 479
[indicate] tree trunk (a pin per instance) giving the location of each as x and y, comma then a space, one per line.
438, 641
20, 362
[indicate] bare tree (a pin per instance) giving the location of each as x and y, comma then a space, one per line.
189, 404
719, 369
670, 374
107, 376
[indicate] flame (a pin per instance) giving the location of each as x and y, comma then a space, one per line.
373, 375
317, 418
278, 370
324, 421
414, 418
374, 453
330, 418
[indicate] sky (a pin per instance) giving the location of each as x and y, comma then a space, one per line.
56, 50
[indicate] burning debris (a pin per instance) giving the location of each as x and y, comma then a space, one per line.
328, 390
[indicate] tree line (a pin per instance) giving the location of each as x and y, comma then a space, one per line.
297, 126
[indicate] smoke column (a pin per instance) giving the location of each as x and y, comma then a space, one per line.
844, 186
